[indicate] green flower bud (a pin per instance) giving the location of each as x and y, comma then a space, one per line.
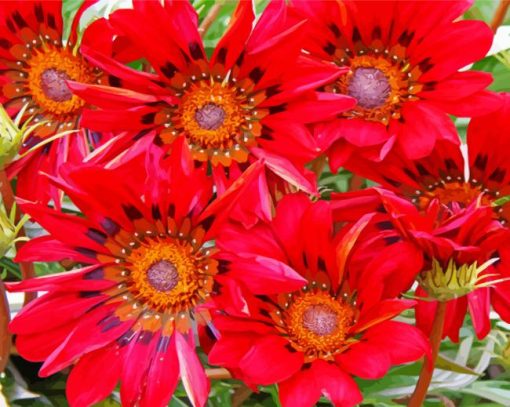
453, 281
11, 137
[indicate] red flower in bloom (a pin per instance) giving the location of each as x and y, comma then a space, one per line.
35, 63
443, 174
460, 248
127, 315
238, 105
404, 69
310, 340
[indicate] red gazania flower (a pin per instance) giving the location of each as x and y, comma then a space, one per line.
35, 63
460, 248
311, 340
444, 174
404, 69
251, 99
128, 314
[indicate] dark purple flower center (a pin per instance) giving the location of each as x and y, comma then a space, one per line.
54, 86
320, 319
163, 276
210, 116
370, 87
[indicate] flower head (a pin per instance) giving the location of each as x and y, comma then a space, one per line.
404, 70
251, 99
150, 273
37, 61
335, 322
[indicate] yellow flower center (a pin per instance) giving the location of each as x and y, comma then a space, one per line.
49, 68
218, 118
318, 324
379, 83
167, 276
460, 192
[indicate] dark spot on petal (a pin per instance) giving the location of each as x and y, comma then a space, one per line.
52, 22
207, 222
145, 337
481, 161
240, 59
10, 25
409, 173
156, 214
376, 33
86, 252
256, 74
429, 86
168, 70
89, 294
421, 169
223, 266
39, 12
277, 108
19, 20
132, 212
498, 175
5, 43
221, 56
391, 239
329, 48
321, 264
126, 338
384, 225
334, 29
195, 50
141, 133
391, 181
171, 210
272, 90
109, 322
110, 226
97, 274
114, 81
356, 36
97, 236
425, 65
450, 164
405, 38
148, 118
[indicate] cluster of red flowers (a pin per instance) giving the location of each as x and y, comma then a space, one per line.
201, 223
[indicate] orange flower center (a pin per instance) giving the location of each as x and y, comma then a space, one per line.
168, 276
49, 69
447, 193
380, 83
211, 115
318, 324
218, 119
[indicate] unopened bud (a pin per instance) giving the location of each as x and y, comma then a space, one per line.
453, 281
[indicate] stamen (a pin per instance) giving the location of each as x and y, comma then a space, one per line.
320, 319
370, 87
210, 116
163, 276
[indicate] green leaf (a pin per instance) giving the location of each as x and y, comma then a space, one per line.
494, 390
445, 363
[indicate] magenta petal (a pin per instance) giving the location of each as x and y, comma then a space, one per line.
94, 377
192, 372
336, 385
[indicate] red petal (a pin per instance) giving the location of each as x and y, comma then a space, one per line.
270, 361
94, 377
192, 372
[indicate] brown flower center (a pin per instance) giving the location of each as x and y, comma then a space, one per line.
370, 87
210, 116
163, 275
54, 86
